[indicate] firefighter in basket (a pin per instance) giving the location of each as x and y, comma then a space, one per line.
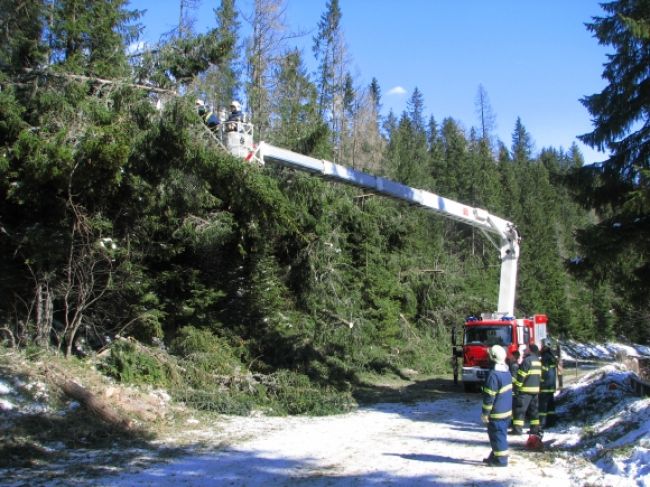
209, 117
235, 117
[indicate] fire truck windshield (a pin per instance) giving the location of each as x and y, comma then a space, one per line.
488, 335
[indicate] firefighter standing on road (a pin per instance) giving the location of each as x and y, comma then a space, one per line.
513, 365
526, 388
497, 407
547, 387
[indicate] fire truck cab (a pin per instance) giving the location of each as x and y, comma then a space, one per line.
480, 333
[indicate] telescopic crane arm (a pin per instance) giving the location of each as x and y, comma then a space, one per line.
501, 233
237, 138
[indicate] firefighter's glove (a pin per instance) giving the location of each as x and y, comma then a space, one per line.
485, 419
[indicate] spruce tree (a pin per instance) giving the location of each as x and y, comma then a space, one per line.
91, 38
618, 187
454, 144
329, 49
436, 154
407, 155
522, 143
297, 125
375, 96
221, 83
389, 124
23, 25
263, 48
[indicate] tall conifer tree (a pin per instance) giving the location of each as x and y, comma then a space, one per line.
222, 82
522, 143
619, 187
297, 125
23, 25
91, 38
329, 50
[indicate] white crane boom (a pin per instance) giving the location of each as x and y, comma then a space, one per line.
507, 238
237, 137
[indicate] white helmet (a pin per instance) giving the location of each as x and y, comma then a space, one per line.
199, 102
235, 106
497, 354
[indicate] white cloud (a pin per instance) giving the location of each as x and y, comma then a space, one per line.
137, 47
397, 90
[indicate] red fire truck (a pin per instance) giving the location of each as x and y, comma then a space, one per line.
481, 333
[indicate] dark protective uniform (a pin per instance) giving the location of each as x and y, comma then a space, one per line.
514, 367
235, 117
209, 117
212, 120
547, 389
526, 388
497, 406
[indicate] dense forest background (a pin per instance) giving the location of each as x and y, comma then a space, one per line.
120, 216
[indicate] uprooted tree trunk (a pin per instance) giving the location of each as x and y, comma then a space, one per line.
93, 403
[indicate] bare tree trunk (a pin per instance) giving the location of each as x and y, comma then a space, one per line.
94, 404
88, 275
265, 45
44, 313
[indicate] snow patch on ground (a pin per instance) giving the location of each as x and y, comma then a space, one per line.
607, 424
603, 438
572, 350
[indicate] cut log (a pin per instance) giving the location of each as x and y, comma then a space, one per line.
94, 404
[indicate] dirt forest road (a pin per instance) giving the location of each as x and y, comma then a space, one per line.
440, 442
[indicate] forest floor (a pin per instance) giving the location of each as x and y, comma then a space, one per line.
421, 431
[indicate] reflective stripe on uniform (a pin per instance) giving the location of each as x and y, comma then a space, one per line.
500, 391
529, 390
505, 415
503, 453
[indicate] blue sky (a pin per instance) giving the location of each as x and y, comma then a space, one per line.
534, 59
